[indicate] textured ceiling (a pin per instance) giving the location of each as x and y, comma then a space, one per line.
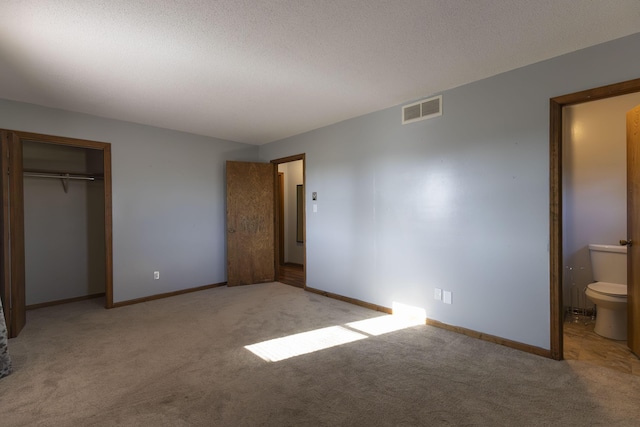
258, 71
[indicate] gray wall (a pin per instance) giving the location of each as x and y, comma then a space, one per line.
459, 202
168, 197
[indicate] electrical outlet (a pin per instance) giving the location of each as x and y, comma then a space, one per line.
437, 294
156, 275
446, 297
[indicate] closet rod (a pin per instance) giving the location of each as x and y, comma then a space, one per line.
64, 177
59, 176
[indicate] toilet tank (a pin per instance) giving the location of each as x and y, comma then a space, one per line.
609, 263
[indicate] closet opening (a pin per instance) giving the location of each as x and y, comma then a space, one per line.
56, 223
63, 223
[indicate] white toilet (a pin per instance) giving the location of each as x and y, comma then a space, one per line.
609, 292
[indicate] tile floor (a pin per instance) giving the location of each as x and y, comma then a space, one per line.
581, 343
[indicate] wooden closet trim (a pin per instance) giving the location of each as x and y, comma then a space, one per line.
105, 147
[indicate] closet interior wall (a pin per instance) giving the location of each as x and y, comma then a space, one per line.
64, 230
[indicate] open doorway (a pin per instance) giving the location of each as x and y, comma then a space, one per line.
594, 213
85, 164
64, 230
290, 239
558, 112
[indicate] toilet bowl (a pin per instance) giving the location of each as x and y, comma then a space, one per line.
611, 301
609, 292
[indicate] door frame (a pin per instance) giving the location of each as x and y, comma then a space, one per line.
555, 196
105, 147
13, 275
280, 218
277, 212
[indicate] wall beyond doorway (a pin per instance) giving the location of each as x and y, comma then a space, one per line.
594, 185
293, 176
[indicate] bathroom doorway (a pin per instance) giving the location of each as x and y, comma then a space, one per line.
594, 212
569, 254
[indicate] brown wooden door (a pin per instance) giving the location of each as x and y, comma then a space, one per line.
250, 223
633, 230
12, 286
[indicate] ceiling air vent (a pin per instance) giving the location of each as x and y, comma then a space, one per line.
421, 110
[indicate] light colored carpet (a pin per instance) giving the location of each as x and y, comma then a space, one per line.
181, 361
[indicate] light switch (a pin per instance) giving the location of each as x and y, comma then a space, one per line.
437, 294
315, 208
314, 195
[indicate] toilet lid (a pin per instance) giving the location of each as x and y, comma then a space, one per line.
615, 289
